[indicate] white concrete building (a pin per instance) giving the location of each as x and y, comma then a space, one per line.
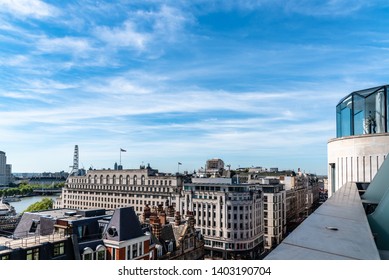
274, 214
111, 189
362, 141
274, 209
229, 216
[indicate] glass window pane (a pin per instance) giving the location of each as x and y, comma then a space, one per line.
380, 111
387, 110
359, 115
344, 117
370, 114
338, 122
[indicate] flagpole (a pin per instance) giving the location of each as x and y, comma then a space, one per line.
178, 167
121, 150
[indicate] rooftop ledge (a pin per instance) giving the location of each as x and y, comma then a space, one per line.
337, 230
359, 136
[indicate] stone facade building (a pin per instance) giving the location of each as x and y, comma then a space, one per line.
113, 189
229, 216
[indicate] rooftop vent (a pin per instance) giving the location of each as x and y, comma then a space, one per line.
112, 231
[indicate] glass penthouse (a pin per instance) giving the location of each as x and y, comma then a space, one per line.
362, 138
363, 112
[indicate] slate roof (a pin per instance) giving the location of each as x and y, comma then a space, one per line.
124, 225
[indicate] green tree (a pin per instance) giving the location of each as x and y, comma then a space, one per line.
25, 189
11, 191
44, 204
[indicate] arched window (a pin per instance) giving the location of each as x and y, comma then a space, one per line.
101, 252
101, 179
142, 180
87, 254
114, 179
135, 180
107, 180
128, 179
121, 180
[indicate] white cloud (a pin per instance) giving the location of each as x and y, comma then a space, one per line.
72, 45
119, 86
16, 60
124, 36
324, 8
167, 23
28, 8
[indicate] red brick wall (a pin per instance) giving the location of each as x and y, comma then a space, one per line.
121, 254
109, 253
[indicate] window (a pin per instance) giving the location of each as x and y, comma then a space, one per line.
59, 249
134, 251
100, 252
87, 254
34, 226
4, 257
170, 246
33, 254
159, 250
140, 248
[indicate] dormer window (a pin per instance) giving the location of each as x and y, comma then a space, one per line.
34, 226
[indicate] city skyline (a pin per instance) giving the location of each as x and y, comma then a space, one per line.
253, 83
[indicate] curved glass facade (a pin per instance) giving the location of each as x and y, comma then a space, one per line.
363, 112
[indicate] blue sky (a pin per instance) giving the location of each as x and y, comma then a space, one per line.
254, 83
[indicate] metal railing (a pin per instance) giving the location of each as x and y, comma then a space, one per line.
32, 240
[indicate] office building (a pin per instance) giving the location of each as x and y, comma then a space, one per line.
5, 170
229, 216
274, 209
111, 189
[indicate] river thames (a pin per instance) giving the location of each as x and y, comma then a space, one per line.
22, 205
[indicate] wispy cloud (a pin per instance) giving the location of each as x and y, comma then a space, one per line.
124, 36
17, 60
244, 80
29, 8
325, 8
72, 45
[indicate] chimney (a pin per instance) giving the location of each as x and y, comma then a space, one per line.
160, 208
162, 217
170, 211
177, 219
155, 224
146, 213
191, 220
